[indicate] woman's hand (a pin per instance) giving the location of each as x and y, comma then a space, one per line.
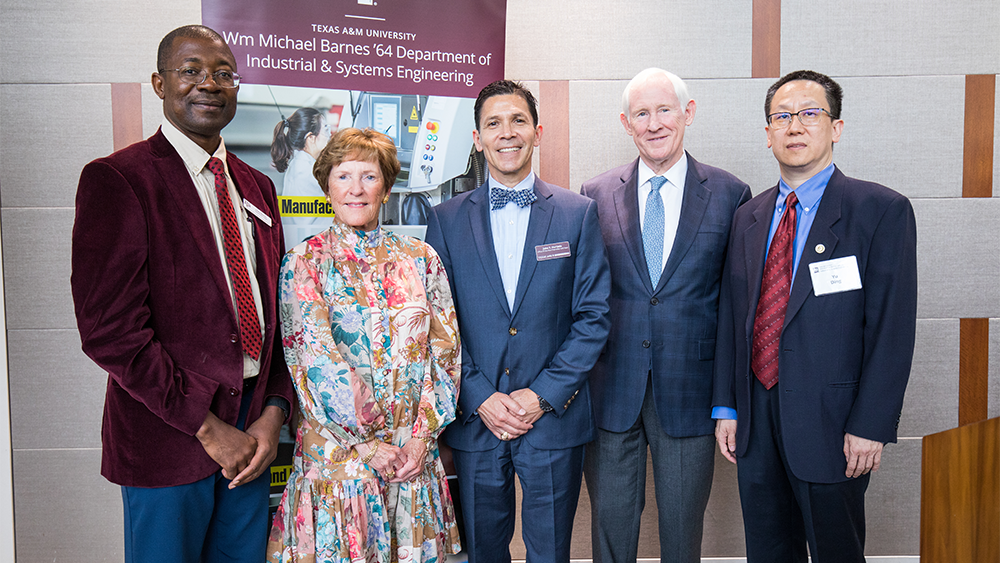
416, 454
387, 457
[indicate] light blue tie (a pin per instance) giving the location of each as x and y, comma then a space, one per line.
652, 230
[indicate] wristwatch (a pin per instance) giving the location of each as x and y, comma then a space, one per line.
544, 405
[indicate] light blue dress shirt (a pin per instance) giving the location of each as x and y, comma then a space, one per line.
809, 193
510, 229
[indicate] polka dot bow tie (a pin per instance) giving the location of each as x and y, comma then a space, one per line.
499, 197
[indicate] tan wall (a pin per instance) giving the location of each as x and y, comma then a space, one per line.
912, 122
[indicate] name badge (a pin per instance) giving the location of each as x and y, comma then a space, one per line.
256, 212
552, 251
835, 276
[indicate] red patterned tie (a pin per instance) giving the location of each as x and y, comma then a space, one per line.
774, 289
249, 322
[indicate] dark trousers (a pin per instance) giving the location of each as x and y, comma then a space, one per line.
202, 521
616, 480
781, 513
550, 486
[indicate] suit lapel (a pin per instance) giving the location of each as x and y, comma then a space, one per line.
177, 183
755, 241
821, 232
626, 197
538, 227
482, 233
694, 202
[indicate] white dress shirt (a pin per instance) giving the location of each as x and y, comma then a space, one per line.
196, 160
672, 193
510, 229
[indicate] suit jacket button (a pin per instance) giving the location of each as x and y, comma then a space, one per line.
512, 331
506, 371
654, 301
234, 391
645, 344
233, 338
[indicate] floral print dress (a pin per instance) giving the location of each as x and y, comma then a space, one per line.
371, 341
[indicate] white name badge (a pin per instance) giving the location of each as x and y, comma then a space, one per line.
256, 212
835, 276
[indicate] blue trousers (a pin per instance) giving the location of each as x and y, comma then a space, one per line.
202, 521
550, 486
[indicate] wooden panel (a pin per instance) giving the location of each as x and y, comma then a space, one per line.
973, 371
960, 495
553, 115
977, 169
126, 114
766, 51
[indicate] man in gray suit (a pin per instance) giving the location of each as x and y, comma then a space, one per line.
665, 218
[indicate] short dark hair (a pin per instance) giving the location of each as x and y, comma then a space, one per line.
505, 88
834, 93
367, 145
191, 31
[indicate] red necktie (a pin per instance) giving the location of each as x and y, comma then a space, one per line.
246, 309
774, 289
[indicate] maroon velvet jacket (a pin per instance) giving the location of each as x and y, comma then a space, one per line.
154, 310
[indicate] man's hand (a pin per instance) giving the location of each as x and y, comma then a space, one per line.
862, 455
230, 447
265, 430
528, 400
500, 414
725, 435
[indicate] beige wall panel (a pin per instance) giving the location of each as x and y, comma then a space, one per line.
36, 264
994, 369
152, 110
931, 402
727, 132
59, 41
596, 39
56, 392
723, 517
892, 505
893, 37
65, 510
49, 133
894, 146
958, 257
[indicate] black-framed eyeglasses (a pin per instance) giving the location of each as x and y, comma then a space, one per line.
196, 76
807, 117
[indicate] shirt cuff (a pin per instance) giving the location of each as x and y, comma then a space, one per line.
724, 413
279, 402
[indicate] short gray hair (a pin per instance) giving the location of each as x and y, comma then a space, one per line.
680, 88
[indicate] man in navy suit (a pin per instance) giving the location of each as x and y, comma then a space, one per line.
815, 372
653, 385
530, 280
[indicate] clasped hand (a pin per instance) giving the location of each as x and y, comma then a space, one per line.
514, 414
393, 463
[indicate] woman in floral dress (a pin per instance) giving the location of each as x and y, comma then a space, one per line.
371, 341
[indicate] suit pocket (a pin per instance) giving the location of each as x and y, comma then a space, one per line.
706, 349
845, 385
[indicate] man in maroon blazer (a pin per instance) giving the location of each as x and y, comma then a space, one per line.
176, 251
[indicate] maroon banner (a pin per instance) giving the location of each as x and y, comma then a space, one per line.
428, 47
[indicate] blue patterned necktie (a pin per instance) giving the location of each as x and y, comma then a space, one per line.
499, 197
652, 230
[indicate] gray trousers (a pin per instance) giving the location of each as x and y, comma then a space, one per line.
615, 469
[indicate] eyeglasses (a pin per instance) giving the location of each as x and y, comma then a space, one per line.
807, 117
196, 76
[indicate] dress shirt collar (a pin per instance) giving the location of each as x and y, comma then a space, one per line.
676, 175
194, 157
809, 193
527, 183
